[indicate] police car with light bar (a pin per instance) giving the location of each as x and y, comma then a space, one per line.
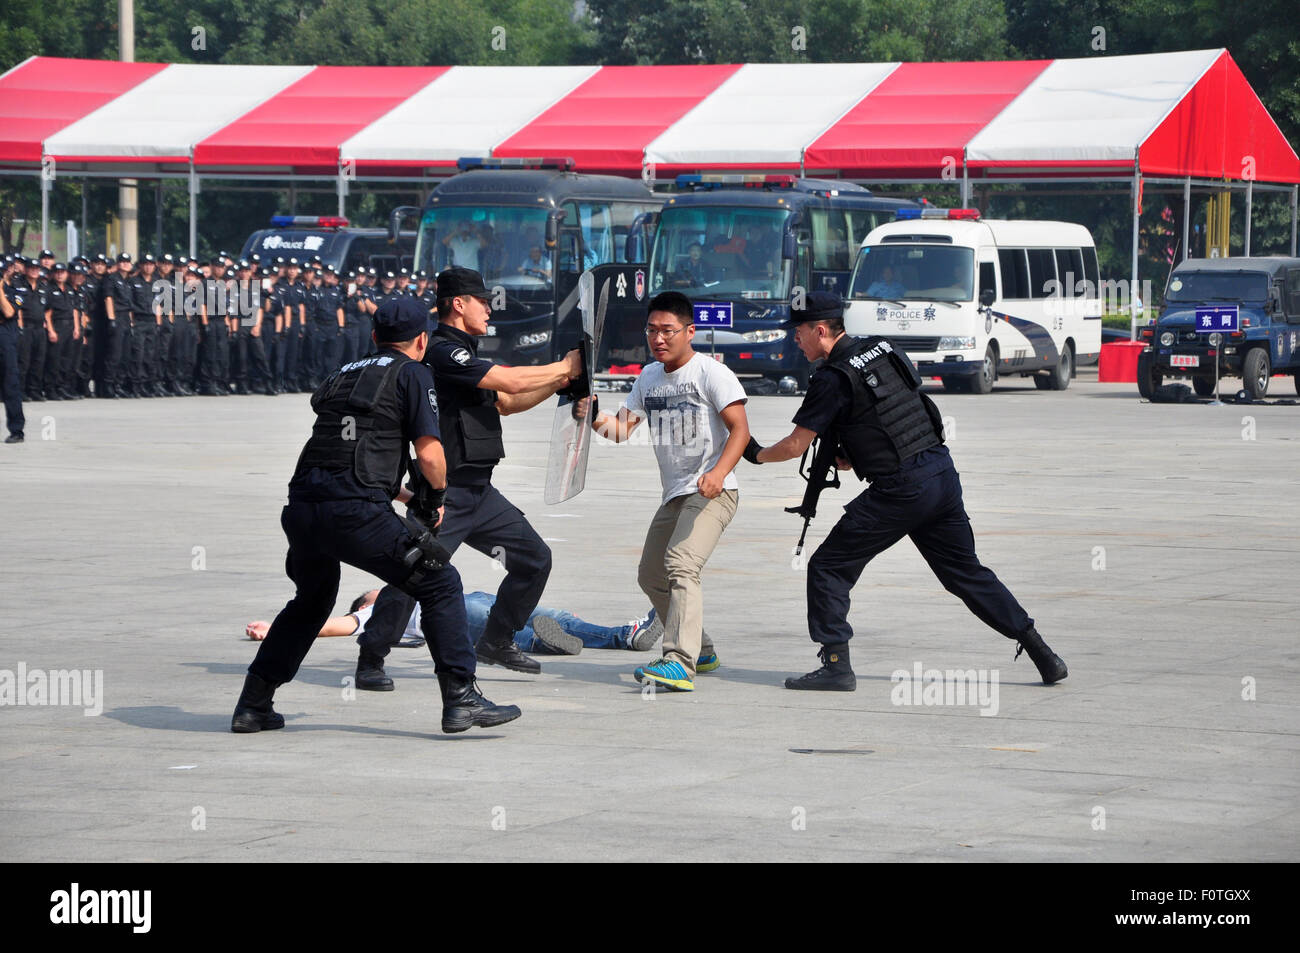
973, 299
751, 241
332, 239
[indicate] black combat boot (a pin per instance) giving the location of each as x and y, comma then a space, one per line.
464, 708
835, 675
498, 648
370, 673
1050, 665
253, 711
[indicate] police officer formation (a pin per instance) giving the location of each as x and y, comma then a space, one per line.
177, 326
430, 392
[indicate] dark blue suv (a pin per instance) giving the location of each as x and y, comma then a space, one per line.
1267, 293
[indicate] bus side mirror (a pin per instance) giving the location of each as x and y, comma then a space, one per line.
986, 298
395, 221
552, 230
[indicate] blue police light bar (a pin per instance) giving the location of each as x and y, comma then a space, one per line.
563, 163
951, 214
735, 180
308, 221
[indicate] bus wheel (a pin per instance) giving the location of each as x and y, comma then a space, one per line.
1059, 377
1204, 386
1255, 372
981, 382
1148, 379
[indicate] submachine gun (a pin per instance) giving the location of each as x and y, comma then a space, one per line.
821, 474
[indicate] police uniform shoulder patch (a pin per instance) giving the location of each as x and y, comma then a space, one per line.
433, 402
460, 355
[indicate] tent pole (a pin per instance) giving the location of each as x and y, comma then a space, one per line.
965, 181
158, 218
1250, 189
343, 191
1293, 218
194, 211
1187, 216
1133, 286
45, 208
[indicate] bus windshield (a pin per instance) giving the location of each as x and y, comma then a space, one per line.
1191, 287
505, 244
720, 251
905, 272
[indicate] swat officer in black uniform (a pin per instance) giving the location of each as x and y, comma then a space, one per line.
28, 294
473, 393
65, 317
867, 398
340, 510
327, 325
145, 320
117, 299
10, 388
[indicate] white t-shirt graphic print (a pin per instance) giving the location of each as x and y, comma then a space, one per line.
682, 412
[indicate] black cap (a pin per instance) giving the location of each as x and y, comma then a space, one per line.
293, 262
149, 259
245, 265
169, 259
80, 270
46, 253
60, 266
400, 319
330, 269
388, 276
124, 257
102, 257
818, 306
31, 263
457, 281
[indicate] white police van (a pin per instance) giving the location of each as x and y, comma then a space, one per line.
972, 299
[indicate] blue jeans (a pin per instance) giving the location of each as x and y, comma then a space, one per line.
478, 604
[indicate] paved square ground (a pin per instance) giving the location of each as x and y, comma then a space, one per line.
1155, 545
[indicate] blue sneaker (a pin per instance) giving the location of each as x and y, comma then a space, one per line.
707, 663
663, 672
644, 633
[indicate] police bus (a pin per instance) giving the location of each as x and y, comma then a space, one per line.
971, 300
750, 241
332, 238
531, 227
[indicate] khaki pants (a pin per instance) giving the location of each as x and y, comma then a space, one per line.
680, 540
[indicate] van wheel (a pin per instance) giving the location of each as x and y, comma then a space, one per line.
981, 382
1204, 386
1148, 379
1059, 377
957, 385
1255, 372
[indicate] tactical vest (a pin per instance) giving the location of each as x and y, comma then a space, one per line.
359, 423
890, 419
470, 424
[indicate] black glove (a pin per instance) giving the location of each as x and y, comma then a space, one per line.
424, 504
751, 451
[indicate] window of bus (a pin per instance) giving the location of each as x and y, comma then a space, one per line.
1069, 270
1015, 273
906, 272
736, 251
505, 244
1042, 273
830, 245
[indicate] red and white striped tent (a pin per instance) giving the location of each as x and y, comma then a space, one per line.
1160, 116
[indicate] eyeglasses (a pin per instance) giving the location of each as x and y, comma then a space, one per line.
665, 333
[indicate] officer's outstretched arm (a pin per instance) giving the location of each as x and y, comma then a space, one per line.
433, 464
521, 380
788, 447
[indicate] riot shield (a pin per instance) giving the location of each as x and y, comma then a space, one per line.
566, 468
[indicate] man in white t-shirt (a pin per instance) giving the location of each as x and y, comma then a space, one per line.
695, 410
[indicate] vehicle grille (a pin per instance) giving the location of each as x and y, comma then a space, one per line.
915, 343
